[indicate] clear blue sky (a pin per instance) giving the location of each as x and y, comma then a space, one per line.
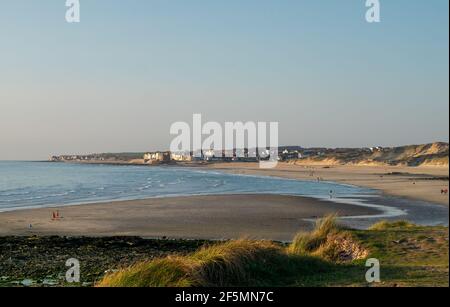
120, 78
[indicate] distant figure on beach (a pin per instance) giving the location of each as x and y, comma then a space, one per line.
55, 215
30, 226
331, 194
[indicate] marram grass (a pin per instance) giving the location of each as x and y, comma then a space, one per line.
233, 263
327, 256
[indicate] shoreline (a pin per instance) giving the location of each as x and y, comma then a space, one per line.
413, 183
217, 217
390, 180
230, 216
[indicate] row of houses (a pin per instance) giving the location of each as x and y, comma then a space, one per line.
76, 158
286, 153
166, 157
243, 155
207, 155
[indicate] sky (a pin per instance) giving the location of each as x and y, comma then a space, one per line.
116, 81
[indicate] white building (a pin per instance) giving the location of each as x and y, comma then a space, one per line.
181, 157
158, 156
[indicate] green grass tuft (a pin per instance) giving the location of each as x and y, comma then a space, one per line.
306, 243
234, 263
385, 225
167, 272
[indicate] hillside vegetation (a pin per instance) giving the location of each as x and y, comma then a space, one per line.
434, 154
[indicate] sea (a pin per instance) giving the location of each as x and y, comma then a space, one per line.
25, 185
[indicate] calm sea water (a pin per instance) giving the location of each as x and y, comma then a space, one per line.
35, 184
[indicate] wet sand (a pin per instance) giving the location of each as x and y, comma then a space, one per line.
417, 183
198, 217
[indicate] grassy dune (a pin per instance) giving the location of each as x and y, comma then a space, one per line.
434, 154
329, 256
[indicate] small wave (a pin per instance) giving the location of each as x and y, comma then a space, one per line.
14, 194
58, 195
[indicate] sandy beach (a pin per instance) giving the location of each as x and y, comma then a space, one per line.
234, 216
206, 217
419, 183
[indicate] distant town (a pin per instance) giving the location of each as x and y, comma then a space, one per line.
161, 157
413, 155
286, 153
